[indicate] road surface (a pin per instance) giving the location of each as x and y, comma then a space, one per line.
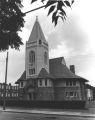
24, 116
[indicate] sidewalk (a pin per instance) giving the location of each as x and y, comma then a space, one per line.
75, 113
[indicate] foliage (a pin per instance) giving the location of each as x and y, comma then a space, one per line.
11, 21
57, 8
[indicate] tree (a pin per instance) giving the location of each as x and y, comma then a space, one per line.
12, 19
11, 22
57, 8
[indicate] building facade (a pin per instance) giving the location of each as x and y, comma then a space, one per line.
12, 92
47, 79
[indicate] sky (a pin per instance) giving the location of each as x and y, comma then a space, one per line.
73, 39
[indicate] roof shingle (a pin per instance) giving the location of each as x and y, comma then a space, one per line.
59, 70
44, 74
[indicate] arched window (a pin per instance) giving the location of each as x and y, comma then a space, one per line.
32, 57
45, 57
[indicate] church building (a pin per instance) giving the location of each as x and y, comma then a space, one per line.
47, 79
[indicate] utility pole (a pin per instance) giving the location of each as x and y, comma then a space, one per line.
4, 95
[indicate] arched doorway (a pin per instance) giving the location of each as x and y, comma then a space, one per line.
30, 93
30, 90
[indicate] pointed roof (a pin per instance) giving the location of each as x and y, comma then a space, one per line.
44, 74
37, 32
23, 77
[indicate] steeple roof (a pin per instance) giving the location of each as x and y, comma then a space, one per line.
44, 74
37, 33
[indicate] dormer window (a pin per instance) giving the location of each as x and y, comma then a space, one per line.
46, 82
40, 42
21, 84
40, 82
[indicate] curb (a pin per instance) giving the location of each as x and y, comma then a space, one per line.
74, 114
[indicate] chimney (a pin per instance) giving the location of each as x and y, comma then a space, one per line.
72, 68
10, 84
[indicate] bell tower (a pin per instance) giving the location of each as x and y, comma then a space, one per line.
37, 55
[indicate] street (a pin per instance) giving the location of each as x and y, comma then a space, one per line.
24, 116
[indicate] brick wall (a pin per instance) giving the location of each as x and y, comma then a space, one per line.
45, 93
60, 93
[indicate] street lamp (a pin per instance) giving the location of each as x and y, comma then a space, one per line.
4, 97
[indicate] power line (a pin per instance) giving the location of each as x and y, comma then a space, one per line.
34, 9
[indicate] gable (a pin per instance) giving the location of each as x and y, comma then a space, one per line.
23, 77
44, 74
60, 70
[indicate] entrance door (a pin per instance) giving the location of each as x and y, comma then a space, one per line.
31, 96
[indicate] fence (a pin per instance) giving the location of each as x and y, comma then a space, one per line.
45, 104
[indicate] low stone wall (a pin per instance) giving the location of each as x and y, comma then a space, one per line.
90, 104
46, 104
